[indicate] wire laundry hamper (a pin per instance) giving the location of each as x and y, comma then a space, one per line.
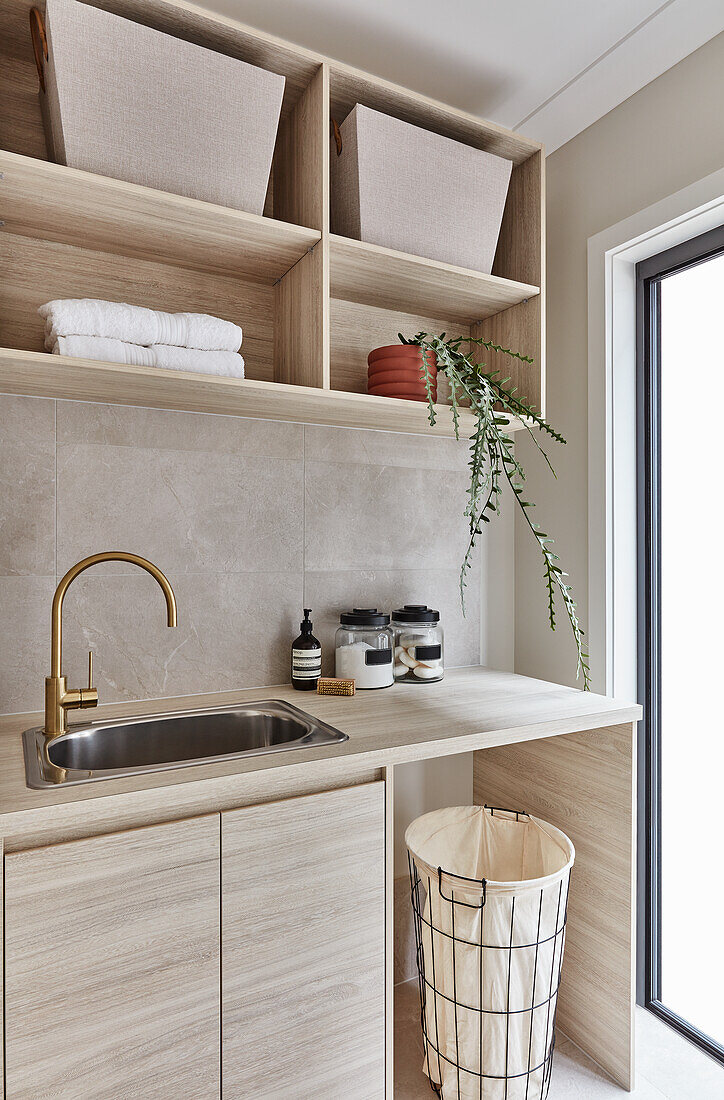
489, 894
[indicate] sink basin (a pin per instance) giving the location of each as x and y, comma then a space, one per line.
157, 742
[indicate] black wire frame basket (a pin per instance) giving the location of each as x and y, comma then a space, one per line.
468, 1074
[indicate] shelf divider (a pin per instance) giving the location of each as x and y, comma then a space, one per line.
521, 251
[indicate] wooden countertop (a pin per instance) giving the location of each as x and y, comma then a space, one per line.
472, 708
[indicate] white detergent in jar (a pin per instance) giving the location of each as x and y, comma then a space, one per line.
363, 648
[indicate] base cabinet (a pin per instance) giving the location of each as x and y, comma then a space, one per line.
239, 954
303, 956
112, 966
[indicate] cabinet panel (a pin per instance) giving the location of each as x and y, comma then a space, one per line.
585, 784
112, 966
303, 956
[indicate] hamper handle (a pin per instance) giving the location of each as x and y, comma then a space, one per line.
40, 43
481, 883
506, 810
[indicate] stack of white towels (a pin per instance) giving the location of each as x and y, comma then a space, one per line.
89, 328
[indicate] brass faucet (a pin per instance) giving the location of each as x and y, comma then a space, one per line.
58, 698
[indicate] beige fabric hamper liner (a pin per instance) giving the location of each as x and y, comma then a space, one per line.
403, 187
526, 864
127, 101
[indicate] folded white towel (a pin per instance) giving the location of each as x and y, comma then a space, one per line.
137, 325
227, 363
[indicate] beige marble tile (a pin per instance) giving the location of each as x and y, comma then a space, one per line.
674, 1065
574, 1077
27, 477
360, 516
162, 429
187, 512
234, 631
328, 593
25, 648
364, 447
26, 419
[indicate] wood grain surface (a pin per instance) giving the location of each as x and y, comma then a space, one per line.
303, 918
112, 966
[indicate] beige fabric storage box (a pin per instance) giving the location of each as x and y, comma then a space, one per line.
126, 101
403, 187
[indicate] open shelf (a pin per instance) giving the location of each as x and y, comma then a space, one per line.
39, 374
50, 202
376, 276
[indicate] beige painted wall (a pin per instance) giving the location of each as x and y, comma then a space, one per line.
667, 136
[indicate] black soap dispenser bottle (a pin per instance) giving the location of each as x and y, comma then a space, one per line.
306, 657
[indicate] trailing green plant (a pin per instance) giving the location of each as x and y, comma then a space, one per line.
493, 462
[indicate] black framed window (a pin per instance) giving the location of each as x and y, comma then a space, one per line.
680, 368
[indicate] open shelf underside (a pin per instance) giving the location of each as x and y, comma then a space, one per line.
39, 374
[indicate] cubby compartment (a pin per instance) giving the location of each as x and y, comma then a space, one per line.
38, 271
518, 255
356, 329
293, 169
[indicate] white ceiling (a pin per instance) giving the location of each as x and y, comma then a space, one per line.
548, 68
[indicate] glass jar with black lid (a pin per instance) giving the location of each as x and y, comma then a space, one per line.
363, 648
419, 645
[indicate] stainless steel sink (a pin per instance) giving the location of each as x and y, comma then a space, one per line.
157, 742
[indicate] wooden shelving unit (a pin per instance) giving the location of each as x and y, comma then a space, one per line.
312, 304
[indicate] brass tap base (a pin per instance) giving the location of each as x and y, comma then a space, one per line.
59, 700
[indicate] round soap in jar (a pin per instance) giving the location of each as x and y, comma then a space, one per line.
419, 657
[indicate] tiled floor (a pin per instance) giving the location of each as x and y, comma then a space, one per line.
668, 1067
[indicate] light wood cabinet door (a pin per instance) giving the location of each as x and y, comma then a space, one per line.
303, 948
112, 966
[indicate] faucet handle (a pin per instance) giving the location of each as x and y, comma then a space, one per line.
88, 697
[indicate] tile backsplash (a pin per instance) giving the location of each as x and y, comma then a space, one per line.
251, 520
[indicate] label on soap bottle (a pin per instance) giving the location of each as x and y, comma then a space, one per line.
306, 664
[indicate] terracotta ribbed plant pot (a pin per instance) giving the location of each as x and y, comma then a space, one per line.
385, 377
396, 370
402, 396
396, 351
411, 367
398, 389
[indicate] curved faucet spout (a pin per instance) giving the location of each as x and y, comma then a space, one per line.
57, 699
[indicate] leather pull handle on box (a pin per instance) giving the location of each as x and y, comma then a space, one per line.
337, 136
40, 43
